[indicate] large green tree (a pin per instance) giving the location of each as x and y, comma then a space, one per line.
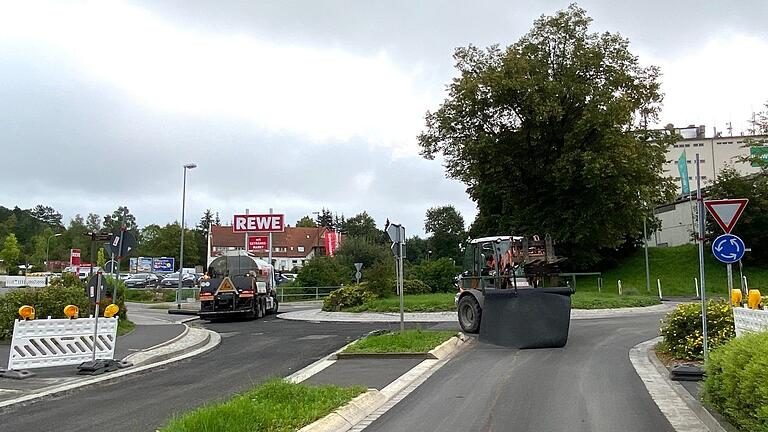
112, 222
10, 253
446, 227
306, 222
550, 136
362, 225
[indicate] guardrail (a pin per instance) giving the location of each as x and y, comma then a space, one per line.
303, 293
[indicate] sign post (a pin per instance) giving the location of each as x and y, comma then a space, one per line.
702, 216
397, 235
358, 275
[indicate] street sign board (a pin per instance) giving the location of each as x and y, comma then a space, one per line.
358, 266
121, 244
726, 211
110, 266
74, 257
728, 248
258, 243
163, 265
258, 223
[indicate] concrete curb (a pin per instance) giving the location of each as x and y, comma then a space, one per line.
373, 401
344, 418
213, 340
576, 314
683, 412
190, 339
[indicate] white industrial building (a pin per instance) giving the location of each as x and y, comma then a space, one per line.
678, 218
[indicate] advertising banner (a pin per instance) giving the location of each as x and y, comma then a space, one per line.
163, 265
331, 242
258, 243
132, 264
258, 223
144, 265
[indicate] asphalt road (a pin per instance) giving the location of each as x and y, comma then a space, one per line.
590, 385
250, 352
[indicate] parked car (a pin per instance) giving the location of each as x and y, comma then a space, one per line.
172, 280
142, 280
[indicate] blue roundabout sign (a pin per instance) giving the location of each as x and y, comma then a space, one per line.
728, 248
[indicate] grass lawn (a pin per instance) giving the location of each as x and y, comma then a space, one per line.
594, 300
437, 302
441, 302
676, 267
275, 406
125, 326
410, 341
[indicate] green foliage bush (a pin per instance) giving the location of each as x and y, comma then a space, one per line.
415, 286
344, 297
736, 383
322, 271
438, 274
49, 301
380, 278
682, 333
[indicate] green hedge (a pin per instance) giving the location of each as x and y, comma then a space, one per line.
49, 301
344, 297
736, 383
415, 286
682, 333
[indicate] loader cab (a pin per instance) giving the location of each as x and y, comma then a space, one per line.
493, 263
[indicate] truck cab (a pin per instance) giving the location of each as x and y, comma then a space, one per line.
238, 284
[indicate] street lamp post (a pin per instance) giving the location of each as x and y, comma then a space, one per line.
429, 255
47, 248
181, 249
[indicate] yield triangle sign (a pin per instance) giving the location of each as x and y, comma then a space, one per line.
726, 212
226, 286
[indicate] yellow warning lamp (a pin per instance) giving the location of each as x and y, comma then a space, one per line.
753, 300
27, 312
736, 297
71, 311
111, 310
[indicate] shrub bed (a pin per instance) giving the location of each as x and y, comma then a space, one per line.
49, 301
682, 333
736, 383
345, 297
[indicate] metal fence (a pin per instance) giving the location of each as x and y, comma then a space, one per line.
288, 294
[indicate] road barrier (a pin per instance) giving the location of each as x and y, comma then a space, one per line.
60, 342
749, 320
22, 281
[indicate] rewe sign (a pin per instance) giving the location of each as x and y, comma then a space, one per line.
258, 223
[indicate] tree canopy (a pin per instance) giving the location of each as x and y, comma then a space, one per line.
549, 136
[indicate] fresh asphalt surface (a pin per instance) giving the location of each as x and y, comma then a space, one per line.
590, 385
250, 352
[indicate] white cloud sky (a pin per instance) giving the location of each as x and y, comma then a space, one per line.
297, 105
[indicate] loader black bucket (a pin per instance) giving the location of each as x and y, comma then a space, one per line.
526, 318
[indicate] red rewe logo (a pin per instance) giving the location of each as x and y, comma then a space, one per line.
258, 223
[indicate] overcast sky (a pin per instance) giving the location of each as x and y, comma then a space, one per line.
299, 105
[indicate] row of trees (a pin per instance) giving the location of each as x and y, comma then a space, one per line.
30, 236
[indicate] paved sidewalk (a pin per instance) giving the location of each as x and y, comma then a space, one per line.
318, 315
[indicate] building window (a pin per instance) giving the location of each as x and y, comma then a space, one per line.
702, 160
687, 145
279, 249
300, 248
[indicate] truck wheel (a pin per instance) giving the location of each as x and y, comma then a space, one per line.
469, 314
274, 306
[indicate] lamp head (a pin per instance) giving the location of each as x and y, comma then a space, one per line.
190, 166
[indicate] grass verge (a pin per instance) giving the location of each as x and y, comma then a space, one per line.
443, 302
275, 406
593, 300
410, 341
125, 326
437, 302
